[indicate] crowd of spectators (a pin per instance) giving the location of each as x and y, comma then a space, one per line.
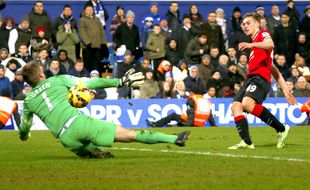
179, 54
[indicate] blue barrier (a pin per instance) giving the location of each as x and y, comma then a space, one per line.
132, 113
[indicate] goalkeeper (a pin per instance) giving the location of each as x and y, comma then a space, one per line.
79, 133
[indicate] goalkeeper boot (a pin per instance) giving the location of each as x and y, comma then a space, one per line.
182, 137
150, 123
282, 137
100, 154
242, 145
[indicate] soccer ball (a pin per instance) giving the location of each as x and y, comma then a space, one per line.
79, 96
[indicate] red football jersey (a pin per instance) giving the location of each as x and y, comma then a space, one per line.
260, 60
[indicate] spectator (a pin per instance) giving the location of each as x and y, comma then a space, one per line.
164, 66
156, 46
214, 54
4, 53
302, 67
236, 38
260, 10
185, 34
146, 29
5, 83
214, 32
226, 91
125, 65
291, 88
274, 19
79, 70
282, 66
99, 93
294, 15
128, 34
234, 24
242, 65
11, 65
99, 11
19, 35
234, 77
303, 48
196, 19
145, 65
117, 20
263, 24
222, 66
67, 38
294, 74
173, 17
23, 53
43, 59
92, 37
64, 18
193, 84
221, 21
173, 53
4, 35
65, 60
40, 41
211, 92
55, 68
205, 69
25, 90
197, 47
179, 91
165, 89
165, 29
232, 55
302, 87
154, 13
39, 18
305, 23
150, 87
285, 39
216, 81
17, 83
183, 66
9, 23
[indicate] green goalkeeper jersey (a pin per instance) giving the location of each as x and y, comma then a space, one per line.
48, 100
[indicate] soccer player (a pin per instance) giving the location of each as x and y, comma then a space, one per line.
79, 133
253, 92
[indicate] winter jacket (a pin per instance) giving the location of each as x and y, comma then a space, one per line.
67, 41
153, 42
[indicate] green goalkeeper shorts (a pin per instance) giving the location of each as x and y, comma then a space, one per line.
85, 130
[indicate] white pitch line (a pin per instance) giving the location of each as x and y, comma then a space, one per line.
217, 154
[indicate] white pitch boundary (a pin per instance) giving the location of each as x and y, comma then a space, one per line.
217, 154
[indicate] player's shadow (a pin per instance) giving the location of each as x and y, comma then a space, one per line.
274, 145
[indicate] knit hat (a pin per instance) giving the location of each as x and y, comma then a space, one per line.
165, 63
40, 29
94, 72
148, 19
26, 18
259, 7
127, 52
236, 9
154, 4
206, 56
168, 74
130, 13
119, 7
219, 10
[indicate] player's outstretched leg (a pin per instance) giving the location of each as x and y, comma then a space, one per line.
150, 137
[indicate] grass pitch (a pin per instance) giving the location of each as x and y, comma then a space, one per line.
205, 163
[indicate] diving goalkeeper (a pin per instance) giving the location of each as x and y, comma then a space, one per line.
79, 133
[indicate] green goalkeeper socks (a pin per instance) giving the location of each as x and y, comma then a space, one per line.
151, 137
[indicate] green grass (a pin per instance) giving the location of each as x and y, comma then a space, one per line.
43, 163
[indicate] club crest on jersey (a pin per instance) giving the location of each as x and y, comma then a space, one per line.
265, 34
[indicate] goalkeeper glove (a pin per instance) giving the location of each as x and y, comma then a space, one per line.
132, 79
